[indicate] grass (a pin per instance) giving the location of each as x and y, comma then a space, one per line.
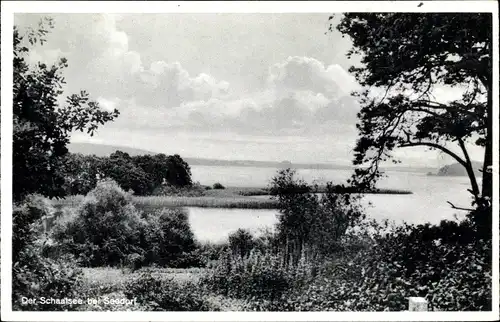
105, 282
115, 278
205, 201
249, 191
231, 197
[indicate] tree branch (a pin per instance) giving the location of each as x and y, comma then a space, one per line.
436, 146
459, 208
435, 105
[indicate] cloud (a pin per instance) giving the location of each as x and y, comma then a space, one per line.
309, 74
120, 72
302, 97
169, 99
107, 104
170, 85
102, 61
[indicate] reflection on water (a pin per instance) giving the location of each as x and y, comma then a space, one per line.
426, 204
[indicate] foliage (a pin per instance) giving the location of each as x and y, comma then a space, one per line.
168, 238
26, 219
193, 259
337, 212
42, 127
481, 221
106, 230
82, 172
241, 242
297, 206
218, 185
409, 57
155, 166
212, 251
121, 168
258, 276
157, 294
442, 263
34, 275
143, 174
179, 172
308, 224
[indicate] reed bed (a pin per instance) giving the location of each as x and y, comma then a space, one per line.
205, 201
232, 197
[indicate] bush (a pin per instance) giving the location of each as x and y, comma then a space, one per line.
441, 263
259, 276
212, 251
167, 237
27, 221
195, 258
34, 275
217, 185
241, 242
309, 225
106, 229
156, 294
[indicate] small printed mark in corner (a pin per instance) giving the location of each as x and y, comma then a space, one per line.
420, 4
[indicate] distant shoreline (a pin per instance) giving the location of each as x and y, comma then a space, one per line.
102, 150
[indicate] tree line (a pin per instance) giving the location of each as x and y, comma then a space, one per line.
142, 174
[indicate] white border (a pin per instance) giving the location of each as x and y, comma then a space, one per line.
247, 6
9, 8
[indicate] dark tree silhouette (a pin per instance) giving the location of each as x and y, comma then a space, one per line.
42, 127
408, 56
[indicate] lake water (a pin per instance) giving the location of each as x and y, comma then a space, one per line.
426, 204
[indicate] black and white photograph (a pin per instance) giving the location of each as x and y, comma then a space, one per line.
265, 157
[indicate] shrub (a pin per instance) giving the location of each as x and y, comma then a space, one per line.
336, 213
267, 242
213, 251
106, 229
156, 294
440, 263
241, 242
217, 185
26, 222
167, 237
196, 258
481, 220
259, 276
309, 225
33, 275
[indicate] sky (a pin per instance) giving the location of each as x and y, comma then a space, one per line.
268, 87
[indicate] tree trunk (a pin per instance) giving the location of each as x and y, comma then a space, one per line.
470, 172
488, 154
